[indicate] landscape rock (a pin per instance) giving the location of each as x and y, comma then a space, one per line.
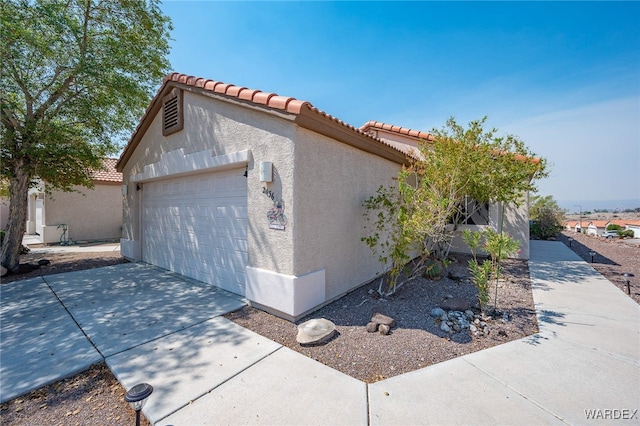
437, 312
378, 318
44, 262
315, 331
3, 271
454, 304
384, 329
445, 327
457, 275
469, 313
372, 327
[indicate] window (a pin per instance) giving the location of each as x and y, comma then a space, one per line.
471, 212
172, 115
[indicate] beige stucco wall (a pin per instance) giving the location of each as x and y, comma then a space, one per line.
217, 128
92, 214
331, 180
515, 223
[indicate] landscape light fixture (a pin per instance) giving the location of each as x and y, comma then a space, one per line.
627, 276
592, 254
570, 241
137, 397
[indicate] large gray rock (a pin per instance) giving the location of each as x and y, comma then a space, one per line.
315, 331
454, 304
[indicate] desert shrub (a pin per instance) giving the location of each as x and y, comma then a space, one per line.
626, 234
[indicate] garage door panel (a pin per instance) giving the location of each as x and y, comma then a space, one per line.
197, 226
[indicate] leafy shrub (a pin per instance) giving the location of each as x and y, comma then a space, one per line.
613, 227
626, 234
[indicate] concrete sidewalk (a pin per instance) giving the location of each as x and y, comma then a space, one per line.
207, 370
585, 357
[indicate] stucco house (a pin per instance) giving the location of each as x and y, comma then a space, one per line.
633, 225
597, 227
259, 194
87, 214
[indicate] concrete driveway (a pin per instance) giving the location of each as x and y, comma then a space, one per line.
58, 325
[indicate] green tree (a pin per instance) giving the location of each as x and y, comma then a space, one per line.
76, 77
420, 213
546, 216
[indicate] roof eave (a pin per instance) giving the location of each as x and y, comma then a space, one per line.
317, 122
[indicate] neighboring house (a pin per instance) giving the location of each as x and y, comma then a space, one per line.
633, 225
260, 194
575, 225
90, 214
597, 227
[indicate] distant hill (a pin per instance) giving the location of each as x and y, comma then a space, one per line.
591, 205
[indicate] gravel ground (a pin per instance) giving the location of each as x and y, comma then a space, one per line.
92, 398
417, 341
613, 258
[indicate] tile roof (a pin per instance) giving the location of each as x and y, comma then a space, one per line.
271, 100
303, 113
109, 174
397, 129
599, 223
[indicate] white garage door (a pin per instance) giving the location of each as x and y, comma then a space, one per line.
197, 227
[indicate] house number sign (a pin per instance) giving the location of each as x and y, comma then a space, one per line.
275, 215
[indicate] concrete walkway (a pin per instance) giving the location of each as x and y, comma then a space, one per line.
155, 327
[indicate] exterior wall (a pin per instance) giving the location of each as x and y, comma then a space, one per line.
331, 181
222, 130
92, 215
402, 142
635, 229
516, 224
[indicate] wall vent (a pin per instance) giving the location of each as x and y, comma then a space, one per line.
172, 114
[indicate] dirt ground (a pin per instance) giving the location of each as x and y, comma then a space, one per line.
417, 341
95, 396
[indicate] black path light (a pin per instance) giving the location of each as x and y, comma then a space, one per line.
137, 397
627, 276
592, 254
570, 241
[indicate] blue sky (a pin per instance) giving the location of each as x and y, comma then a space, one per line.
564, 77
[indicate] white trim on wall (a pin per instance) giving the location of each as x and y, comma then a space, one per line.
289, 294
177, 163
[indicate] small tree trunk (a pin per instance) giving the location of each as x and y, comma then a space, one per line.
17, 220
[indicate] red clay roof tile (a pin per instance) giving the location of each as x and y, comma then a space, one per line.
110, 174
397, 129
